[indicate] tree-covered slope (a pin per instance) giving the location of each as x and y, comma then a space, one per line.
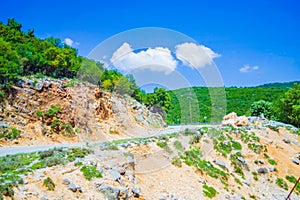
194, 105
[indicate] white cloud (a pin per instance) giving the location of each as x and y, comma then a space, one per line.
248, 68
197, 56
155, 59
69, 41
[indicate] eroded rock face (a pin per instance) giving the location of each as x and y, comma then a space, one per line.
83, 109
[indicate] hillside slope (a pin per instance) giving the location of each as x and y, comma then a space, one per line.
47, 111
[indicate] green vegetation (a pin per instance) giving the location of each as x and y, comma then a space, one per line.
162, 144
176, 161
293, 180
9, 133
193, 157
90, 172
262, 107
272, 162
281, 183
255, 177
288, 107
49, 184
177, 144
13, 167
209, 192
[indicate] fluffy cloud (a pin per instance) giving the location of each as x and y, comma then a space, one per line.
156, 59
248, 68
70, 42
197, 56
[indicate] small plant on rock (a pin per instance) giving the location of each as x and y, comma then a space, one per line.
209, 192
49, 184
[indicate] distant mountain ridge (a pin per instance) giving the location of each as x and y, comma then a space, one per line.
280, 85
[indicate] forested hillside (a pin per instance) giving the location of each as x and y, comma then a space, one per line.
195, 105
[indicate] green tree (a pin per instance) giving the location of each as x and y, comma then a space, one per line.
289, 106
162, 98
13, 24
9, 64
261, 107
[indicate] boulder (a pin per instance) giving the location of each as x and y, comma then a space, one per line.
241, 159
287, 141
123, 195
72, 187
241, 121
110, 193
296, 161
262, 170
66, 181
136, 192
220, 163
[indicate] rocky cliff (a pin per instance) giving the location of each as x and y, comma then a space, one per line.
57, 111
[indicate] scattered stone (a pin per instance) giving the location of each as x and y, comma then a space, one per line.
136, 192
72, 187
272, 169
296, 161
262, 170
201, 180
79, 189
246, 182
110, 193
261, 162
287, 141
122, 171
123, 195
66, 181
115, 175
241, 159
220, 163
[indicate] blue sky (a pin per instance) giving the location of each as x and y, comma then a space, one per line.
258, 41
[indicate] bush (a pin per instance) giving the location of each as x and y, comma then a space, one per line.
281, 183
90, 172
49, 184
209, 192
177, 144
162, 144
272, 162
261, 107
176, 161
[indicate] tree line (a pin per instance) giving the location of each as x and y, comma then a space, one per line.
23, 54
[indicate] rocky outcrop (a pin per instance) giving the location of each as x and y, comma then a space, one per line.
233, 120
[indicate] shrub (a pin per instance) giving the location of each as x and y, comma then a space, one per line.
281, 183
49, 184
209, 192
177, 144
162, 144
176, 161
272, 162
236, 145
90, 172
53, 110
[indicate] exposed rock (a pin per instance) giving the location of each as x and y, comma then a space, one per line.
241, 159
261, 162
136, 192
122, 171
233, 120
123, 195
111, 193
296, 161
72, 187
262, 170
246, 182
287, 141
220, 163
66, 181
272, 169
